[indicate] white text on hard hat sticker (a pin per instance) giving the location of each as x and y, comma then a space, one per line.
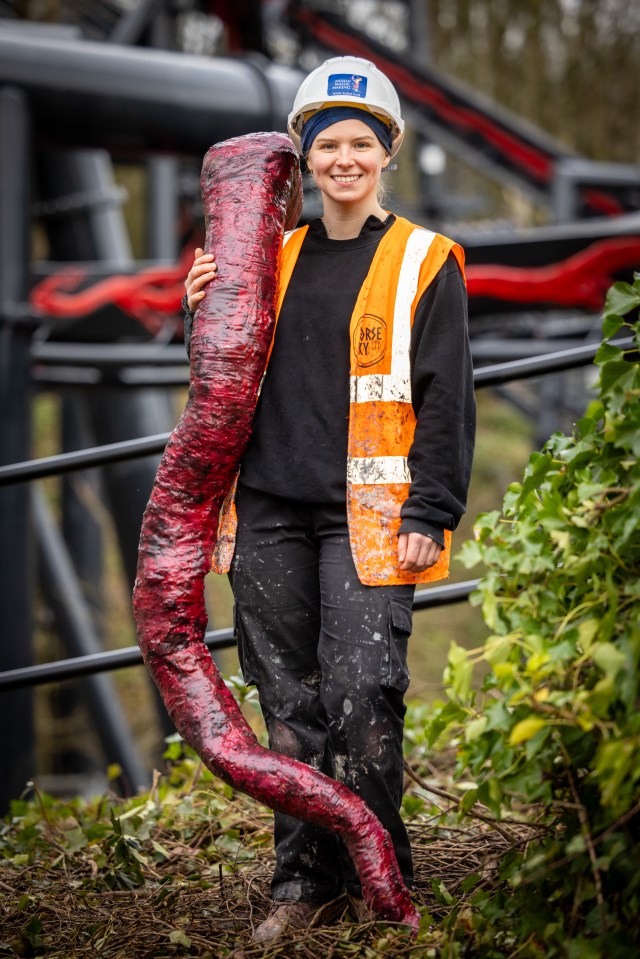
346, 84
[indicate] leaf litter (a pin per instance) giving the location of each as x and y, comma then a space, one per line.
185, 869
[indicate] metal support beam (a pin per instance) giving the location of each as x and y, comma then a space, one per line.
99, 233
133, 24
609, 184
80, 205
16, 580
162, 209
69, 462
82, 533
118, 416
532, 366
163, 188
76, 627
136, 101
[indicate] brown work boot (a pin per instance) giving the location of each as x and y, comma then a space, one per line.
284, 916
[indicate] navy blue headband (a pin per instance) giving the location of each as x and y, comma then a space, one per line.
325, 118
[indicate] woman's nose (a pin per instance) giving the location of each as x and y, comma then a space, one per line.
345, 155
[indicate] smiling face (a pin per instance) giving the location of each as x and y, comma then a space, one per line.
346, 160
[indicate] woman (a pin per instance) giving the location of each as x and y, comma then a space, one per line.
356, 472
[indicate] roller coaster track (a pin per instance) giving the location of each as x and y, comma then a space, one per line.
494, 140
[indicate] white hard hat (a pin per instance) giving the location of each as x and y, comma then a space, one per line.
347, 80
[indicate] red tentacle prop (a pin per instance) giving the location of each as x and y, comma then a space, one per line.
251, 193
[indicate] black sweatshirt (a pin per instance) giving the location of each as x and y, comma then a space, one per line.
298, 446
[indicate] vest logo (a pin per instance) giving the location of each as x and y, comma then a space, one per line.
369, 340
346, 85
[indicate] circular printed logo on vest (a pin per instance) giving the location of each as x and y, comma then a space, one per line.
369, 340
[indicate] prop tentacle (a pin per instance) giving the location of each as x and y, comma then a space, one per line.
251, 191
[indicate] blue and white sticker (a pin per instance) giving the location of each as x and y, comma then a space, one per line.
346, 85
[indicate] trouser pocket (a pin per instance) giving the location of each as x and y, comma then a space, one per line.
395, 671
246, 655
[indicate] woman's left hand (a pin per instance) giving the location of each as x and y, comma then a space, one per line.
417, 552
204, 270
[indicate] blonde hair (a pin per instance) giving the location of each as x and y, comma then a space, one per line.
382, 193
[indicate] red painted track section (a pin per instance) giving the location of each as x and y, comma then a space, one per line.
507, 142
536, 161
251, 193
148, 295
579, 281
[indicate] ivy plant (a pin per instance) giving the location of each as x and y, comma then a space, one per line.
555, 729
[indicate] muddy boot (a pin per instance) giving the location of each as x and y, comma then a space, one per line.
359, 910
284, 917
288, 915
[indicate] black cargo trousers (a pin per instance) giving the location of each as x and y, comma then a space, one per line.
329, 658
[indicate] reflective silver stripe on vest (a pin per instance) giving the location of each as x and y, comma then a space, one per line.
377, 470
396, 385
364, 389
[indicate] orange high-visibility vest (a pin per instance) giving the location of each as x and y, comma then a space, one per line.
381, 417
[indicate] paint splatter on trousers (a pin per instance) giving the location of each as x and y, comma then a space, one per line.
329, 658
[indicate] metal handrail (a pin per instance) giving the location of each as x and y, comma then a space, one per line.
216, 639
130, 449
549, 363
82, 459
224, 638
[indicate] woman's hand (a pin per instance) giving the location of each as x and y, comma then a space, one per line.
417, 552
202, 272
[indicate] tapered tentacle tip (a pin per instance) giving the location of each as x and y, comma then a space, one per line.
406, 914
401, 910
411, 918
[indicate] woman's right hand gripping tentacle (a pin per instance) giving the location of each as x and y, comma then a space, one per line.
202, 272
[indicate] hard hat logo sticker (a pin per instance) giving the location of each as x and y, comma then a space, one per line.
346, 85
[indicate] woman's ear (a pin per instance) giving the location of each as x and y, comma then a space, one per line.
386, 161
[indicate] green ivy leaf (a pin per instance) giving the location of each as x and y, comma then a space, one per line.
587, 631
525, 729
469, 800
609, 659
469, 554
441, 892
475, 728
611, 324
33, 930
470, 881
621, 299
459, 672
412, 805
178, 937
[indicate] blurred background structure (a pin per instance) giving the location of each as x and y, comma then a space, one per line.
523, 144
